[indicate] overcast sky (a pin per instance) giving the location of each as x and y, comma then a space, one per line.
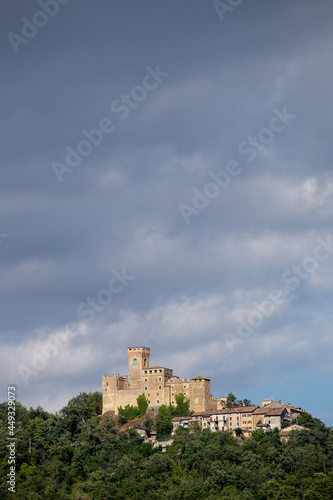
167, 182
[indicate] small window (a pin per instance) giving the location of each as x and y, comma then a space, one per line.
135, 362
145, 372
150, 371
160, 371
146, 380
148, 401
155, 371
158, 394
146, 388
157, 401
160, 379
148, 395
145, 362
160, 387
107, 383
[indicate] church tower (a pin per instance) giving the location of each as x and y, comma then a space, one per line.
138, 360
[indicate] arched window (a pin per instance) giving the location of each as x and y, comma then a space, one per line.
145, 363
135, 362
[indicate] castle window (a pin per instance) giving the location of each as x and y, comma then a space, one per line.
150, 371
145, 363
160, 371
160, 379
148, 395
146, 388
107, 383
155, 371
158, 394
160, 387
145, 372
148, 401
157, 401
135, 362
146, 380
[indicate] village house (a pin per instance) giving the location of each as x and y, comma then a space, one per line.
287, 431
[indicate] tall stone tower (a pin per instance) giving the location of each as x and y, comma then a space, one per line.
138, 359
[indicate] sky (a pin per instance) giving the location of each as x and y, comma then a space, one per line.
166, 181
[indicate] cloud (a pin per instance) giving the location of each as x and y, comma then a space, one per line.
120, 206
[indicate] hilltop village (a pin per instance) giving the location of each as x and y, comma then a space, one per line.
161, 387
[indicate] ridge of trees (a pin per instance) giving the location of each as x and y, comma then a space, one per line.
77, 455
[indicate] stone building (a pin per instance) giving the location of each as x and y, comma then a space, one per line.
158, 384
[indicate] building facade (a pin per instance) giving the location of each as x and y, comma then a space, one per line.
246, 418
158, 384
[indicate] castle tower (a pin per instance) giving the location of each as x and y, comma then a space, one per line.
138, 359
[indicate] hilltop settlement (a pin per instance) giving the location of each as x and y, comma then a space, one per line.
161, 387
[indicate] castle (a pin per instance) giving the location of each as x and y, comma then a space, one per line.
158, 384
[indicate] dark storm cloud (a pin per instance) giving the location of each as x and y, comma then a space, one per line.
120, 206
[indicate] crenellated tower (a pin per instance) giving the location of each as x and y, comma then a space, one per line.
138, 360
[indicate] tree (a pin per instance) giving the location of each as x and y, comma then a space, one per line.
307, 420
80, 409
231, 400
182, 406
163, 426
142, 404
